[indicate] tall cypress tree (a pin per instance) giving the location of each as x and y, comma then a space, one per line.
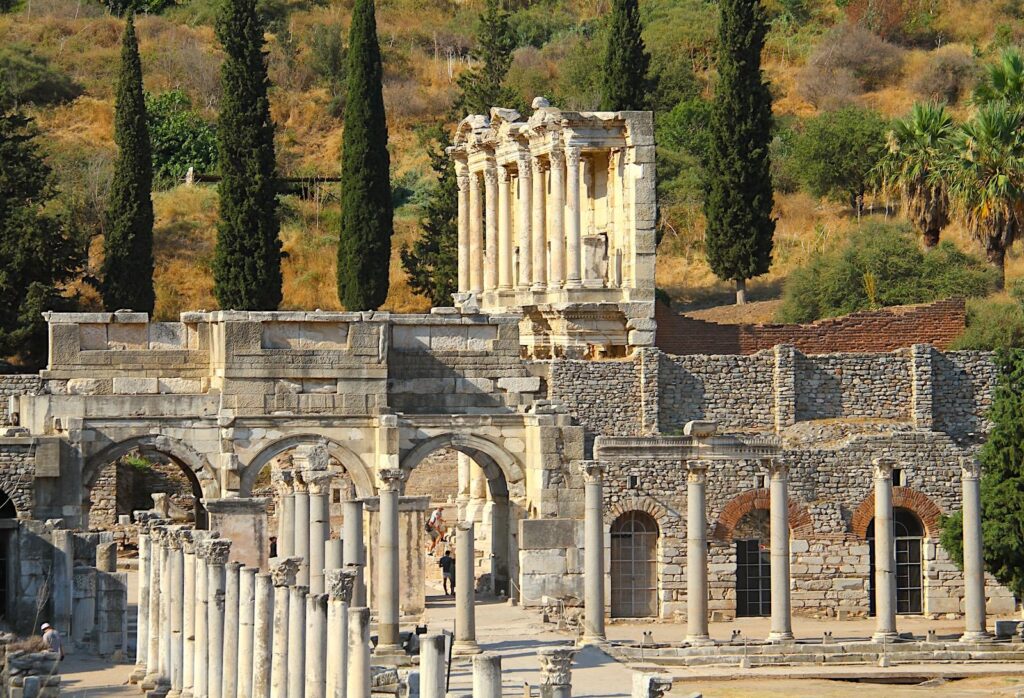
738, 187
247, 261
364, 247
128, 243
624, 81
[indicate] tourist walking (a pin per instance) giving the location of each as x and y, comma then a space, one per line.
436, 528
447, 565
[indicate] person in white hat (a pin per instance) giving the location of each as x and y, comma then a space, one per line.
52, 638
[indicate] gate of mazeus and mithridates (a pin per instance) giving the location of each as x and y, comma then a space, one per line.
634, 566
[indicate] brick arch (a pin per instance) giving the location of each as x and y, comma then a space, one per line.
663, 516
742, 504
904, 497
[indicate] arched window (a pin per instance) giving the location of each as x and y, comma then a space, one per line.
634, 565
908, 532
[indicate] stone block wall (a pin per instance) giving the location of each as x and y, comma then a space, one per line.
17, 474
837, 386
603, 396
962, 389
30, 674
551, 561
12, 386
736, 391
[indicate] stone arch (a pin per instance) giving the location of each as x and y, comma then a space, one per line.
664, 517
504, 476
905, 497
353, 464
194, 464
800, 524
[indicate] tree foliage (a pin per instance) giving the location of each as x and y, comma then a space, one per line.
247, 260
738, 194
482, 86
364, 248
1003, 81
180, 137
28, 78
624, 85
128, 244
40, 250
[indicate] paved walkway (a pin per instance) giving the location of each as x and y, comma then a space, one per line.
86, 676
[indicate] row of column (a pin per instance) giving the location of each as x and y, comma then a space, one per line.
781, 608
304, 514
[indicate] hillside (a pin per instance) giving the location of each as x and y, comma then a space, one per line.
820, 54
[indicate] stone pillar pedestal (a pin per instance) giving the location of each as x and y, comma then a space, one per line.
352, 544
465, 592
433, 669
782, 624
389, 642
885, 554
283, 576
487, 675
339, 590
975, 629
556, 672
263, 636
316, 646
297, 640
593, 555
246, 630
696, 554
359, 652
229, 653
217, 551
142, 615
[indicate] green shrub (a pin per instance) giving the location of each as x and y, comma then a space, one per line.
880, 265
149, 7
27, 78
992, 325
180, 137
537, 24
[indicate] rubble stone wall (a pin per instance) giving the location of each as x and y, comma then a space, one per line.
13, 385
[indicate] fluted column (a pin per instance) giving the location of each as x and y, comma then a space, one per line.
217, 551
302, 527
974, 561
246, 628
491, 230
142, 612
262, 637
573, 243
782, 623
524, 233
188, 616
388, 565
283, 484
297, 641
593, 553
885, 554
696, 553
339, 590
556, 236
504, 255
465, 591
353, 548
462, 179
539, 243
283, 577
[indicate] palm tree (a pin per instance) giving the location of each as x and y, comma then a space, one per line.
914, 151
1003, 80
985, 172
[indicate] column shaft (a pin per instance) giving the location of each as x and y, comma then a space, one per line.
166, 600
572, 223
142, 611
539, 243
491, 230
465, 591
358, 652
279, 651
974, 562
216, 589
476, 235
333, 555
524, 234
462, 178
319, 532
337, 647
302, 535
696, 555
781, 626
177, 594
286, 527
885, 554
200, 672
316, 646
153, 648
505, 279
352, 542
188, 622
556, 231
593, 555
297, 641
246, 629
387, 570
263, 637
433, 669
487, 675
229, 652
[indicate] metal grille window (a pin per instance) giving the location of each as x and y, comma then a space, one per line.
753, 579
634, 566
909, 579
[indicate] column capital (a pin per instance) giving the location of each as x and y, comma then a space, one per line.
970, 468
283, 481
390, 479
474, 181
883, 468
572, 155
187, 541
777, 467
593, 471
311, 457
697, 470
503, 174
172, 539
215, 551
284, 572
461, 170
340, 584
491, 174
556, 665
318, 481
557, 156
537, 164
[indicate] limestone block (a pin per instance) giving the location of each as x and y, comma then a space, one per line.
410, 337
514, 445
479, 338
124, 335
530, 384
798, 545
324, 335
448, 338
136, 386
167, 335
319, 385
64, 345
637, 338
848, 584
92, 336
89, 386
544, 562
474, 385
545, 534
179, 386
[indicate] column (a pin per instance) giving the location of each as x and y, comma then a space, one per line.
433, 669
556, 671
974, 562
465, 591
462, 179
504, 255
217, 551
556, 231
486, 675
302, 527
188, 616
229, 652
572, 224
358, 652
177, 607
476, 235
319, 484
524, 234
142, 612
491, 229
885, 554
333, 556
593, 554
297, 640
246, 629
201, 645
339, 592
389, 641
696, 554
165, 605
316, 646
782, 624
352, 543
283, 576
153, 644
539, 245
262, 637
285, 512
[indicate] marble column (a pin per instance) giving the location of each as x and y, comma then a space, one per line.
166, 601
201, 645
339, 590
486, 675
696, 554
352, 543
462, 179
885, 554
177, 608
556, 671
556, 231
974, 563
142, 612
283, 576
539, 246
593, 553
782, 623
476, 235
297, 640
262, 637
358, 678
504, 255
433, 666
319, 484
246, 620
389, 642
153, 644
188, 616
465, 591
333, 553
573, 242
229, 651
285, 513
524, 222
217, 552
316, 646
491, 230
302, 522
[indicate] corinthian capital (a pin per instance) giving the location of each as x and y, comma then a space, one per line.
390, 479
883, 468
970, 468
593, 471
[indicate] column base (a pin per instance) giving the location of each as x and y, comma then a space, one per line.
538, 288
592, 640
781, 638
462, 648
886, 637
138, 675
573, 283
699, 640
976, 636
391, 655
150, 681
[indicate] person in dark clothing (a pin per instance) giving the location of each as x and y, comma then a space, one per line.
447, 565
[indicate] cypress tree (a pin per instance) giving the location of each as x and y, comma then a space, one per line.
738, 186
128, 241
247, 261
624, 81
364, 247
